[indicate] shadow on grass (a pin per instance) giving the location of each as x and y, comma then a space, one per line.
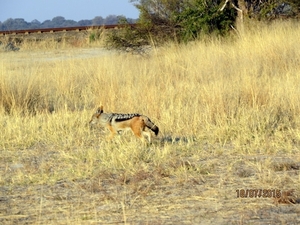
177, 139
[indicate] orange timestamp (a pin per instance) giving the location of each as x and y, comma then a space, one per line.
258, 193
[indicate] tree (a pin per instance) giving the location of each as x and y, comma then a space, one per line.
47, 24
172, 20
184, 19
111, 19
58, 20
98, 20
69, 23
265, 9
9, 24
84, 23
204, 17
35, 24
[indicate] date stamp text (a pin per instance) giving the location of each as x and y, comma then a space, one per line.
258, 193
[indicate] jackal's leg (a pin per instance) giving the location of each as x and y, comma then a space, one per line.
112, 132
137, 131
146, 133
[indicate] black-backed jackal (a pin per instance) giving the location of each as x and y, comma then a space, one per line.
116, 122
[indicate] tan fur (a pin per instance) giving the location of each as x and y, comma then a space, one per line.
116, 122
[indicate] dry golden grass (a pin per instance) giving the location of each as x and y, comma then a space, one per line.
228, 111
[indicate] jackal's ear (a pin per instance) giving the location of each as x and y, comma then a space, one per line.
100, 109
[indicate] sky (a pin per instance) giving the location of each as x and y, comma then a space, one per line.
69, 9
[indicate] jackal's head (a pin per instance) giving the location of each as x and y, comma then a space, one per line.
96, 115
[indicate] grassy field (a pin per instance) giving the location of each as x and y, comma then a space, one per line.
228, 112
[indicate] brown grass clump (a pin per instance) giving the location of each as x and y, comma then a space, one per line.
288, 197
228, 112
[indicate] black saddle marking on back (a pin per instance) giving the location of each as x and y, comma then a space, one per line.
122, 117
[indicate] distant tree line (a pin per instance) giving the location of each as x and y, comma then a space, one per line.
58, 21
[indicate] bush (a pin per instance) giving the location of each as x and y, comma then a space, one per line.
204, 18
126, 37
176, 20
95, 35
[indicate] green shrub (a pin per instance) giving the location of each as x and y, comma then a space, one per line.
126, 37
204, 17
176, 20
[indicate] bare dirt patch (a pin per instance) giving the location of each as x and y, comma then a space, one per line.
156, 195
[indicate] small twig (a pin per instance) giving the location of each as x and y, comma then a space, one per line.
222, 8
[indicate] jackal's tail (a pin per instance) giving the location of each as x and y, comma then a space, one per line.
150, 125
